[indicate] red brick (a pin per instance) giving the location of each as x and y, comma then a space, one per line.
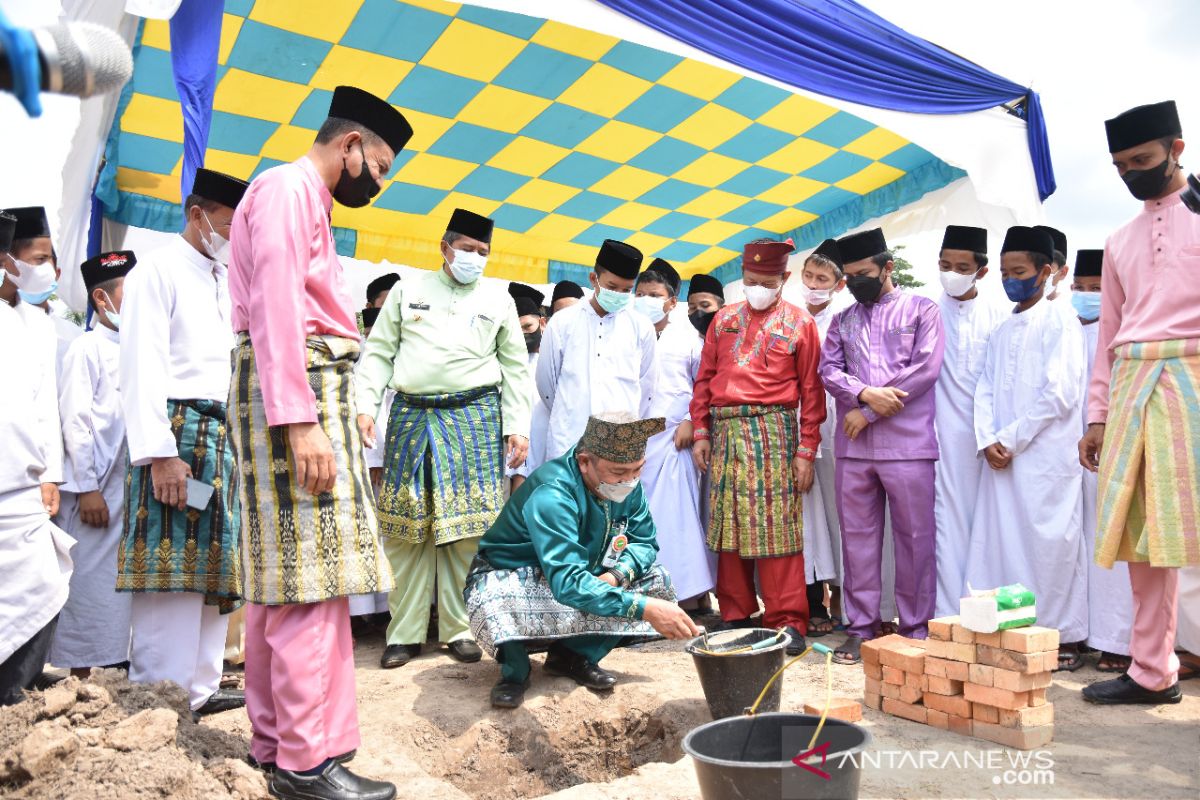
915, 680
873, 670
1018, 738
960, 725
990, 639
842, 708
938, 719
1011, 659
893, 676
945, 686
1028, 717
905, 710
890, 690
1032, 639
954, 670
872, 647
1037, 697
953, 651
957, 705
873, 701
911, 694
1000, 698
909, 659
1020, 681
962, 635
985, 713
872, 686
981, 675
941, 628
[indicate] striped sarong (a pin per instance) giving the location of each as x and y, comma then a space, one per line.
518, 605
163, 549
1149, 482
296, 547
442, 466
755, 507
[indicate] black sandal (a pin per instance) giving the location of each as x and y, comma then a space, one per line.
820, 626
849, 652
1112, 662
1069, 660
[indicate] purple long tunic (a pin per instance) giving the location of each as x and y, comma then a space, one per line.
896, 342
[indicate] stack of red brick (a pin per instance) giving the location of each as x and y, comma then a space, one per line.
987, 685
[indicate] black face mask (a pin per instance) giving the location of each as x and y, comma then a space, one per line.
865, 288
1146, 183
355, 191
701, 319
533, 341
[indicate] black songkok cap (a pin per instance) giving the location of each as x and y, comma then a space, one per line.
380, 285
857, 246
369, 315
106, 267
965, 237
31, 222
1029, 240
377, 116
705, 284
565, 289
1088, 263
527, 307
1058, 237
668, 273
468, 223
8, 224
1142, 124
522, 290
829, 249
219, 187
620, 259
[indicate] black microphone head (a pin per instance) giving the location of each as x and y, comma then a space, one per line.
83, 59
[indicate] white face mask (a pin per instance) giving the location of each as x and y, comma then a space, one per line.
216, 244
760, 297
616, 492
467, 267
652, 307
955, 283
817, 297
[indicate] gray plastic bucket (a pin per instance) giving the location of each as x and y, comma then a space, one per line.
733, 682
750, 758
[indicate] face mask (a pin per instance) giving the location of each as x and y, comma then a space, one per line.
35, 283
616, 492
651, 307
1146, 183
113, 317
611, 301
466, 266
701, 319
1021, 290
1087, 304
760, 297
956, 284
817, 297
216, 245
355, 191
865, 288
533, 341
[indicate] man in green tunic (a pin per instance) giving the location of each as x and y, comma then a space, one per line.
569, 566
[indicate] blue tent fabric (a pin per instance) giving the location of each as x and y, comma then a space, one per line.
840, 49
195, 40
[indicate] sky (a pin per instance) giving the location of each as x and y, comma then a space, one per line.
1089, 60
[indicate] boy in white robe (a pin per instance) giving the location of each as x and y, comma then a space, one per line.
533, 324
93, 627
1027, 526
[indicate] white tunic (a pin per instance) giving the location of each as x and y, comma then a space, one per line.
591, 364
1187, 634
93, 627
968, 325
175, 344
376, 602
1027, 526
35, 568
539, 419
822, 531
670, 478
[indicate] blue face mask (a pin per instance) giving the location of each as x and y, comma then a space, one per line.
40, 297
1021, 290
611, 301
113, 317
1087, 304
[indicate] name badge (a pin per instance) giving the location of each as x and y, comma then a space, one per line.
419, 306
615, 549
481, 320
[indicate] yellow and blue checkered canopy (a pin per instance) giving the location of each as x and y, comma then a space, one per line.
564, 136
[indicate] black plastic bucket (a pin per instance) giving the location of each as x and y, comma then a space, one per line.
733, 682
750, 758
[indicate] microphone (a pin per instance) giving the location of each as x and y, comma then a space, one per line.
76, 58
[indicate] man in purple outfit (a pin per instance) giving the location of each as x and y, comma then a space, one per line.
880, 361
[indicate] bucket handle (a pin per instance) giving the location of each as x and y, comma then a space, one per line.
820, 648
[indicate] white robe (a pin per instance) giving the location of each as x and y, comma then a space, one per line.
968, 326
376, 602
822, 530
538, 420
1187, 634
670, 478
591, 364
35, 565
93, 627
1027, 527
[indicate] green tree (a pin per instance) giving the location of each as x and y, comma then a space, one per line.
902, 274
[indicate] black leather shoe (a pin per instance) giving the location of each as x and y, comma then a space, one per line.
269, 767
221, 700
1124, 690
464, 650
397, 655
507, 694
335, 783
797, 645
567, 664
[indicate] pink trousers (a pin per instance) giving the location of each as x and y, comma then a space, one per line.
1152, 640
300, 683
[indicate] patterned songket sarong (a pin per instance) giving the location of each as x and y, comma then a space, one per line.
1149, 482
164, 549
301, 548
755, 507
517, 605
443, 465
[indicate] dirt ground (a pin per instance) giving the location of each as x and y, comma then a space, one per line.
428, 727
